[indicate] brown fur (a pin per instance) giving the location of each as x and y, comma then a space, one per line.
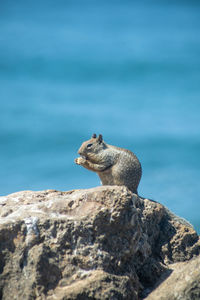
114, 165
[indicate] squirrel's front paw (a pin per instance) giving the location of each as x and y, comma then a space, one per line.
79, 161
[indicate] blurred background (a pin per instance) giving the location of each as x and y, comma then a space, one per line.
129, 70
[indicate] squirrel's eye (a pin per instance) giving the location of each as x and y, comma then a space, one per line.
89, 145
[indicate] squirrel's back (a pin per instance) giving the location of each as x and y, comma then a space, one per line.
126, 171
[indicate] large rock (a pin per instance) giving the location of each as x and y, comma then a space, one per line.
101, 243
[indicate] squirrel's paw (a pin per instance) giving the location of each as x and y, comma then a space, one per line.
79, 160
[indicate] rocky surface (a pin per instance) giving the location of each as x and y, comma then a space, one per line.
183, 283
101, 243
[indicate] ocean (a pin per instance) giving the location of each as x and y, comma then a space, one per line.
129, 70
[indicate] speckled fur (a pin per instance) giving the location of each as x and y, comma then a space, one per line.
114, 165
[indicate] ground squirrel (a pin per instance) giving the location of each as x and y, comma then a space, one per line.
114, 165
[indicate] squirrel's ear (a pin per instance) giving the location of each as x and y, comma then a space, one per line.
94, 136
100, 138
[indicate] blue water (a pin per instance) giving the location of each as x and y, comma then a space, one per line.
127, 69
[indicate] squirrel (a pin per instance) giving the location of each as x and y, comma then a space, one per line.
114, 165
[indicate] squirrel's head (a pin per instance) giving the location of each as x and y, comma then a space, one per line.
90, 148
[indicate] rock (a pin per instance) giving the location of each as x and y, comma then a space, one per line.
101, 243
183, 283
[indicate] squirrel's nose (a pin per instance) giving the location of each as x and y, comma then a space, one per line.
80, 152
